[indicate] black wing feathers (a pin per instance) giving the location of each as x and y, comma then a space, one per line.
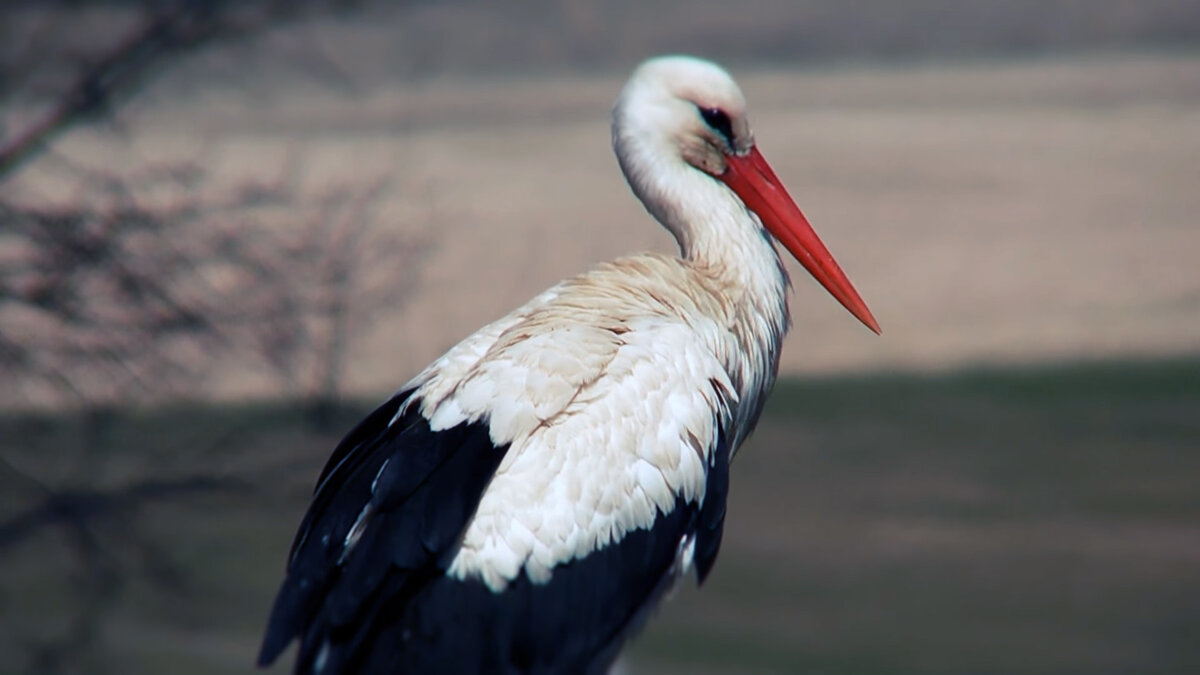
712, 514
575, 623
412, 513
401, 495
365, 432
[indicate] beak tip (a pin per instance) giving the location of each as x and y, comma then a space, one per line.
860, 311
871, 323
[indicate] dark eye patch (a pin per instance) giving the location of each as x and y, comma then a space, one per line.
719, 121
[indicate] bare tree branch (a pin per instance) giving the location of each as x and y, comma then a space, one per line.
132, 289
165, 31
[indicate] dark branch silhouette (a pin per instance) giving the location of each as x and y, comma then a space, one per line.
159, 34
127, 293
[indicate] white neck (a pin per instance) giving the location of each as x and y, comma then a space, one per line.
714, 229
719, 237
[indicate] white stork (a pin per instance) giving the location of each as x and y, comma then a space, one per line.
521, 504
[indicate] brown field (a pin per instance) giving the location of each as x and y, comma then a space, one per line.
988, 212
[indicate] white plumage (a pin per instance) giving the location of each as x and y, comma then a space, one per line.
524, 499
629, 401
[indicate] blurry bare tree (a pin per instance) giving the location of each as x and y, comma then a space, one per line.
126, 299
128, 291
65, 63
112, 298
340, 269
125, 296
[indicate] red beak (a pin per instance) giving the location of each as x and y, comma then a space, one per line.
753, 180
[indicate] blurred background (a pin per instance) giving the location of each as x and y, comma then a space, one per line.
228, 229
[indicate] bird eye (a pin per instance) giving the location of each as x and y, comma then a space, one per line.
719, 121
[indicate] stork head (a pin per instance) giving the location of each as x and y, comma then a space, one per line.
683, 110
688, 108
